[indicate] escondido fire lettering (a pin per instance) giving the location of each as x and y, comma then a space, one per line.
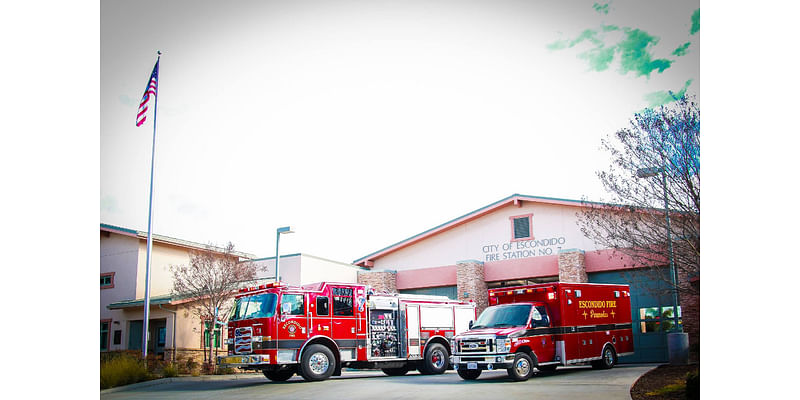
597, 304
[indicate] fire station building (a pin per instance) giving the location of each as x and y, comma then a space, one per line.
526, 239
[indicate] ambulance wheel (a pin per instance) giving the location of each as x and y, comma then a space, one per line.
317, 363
395, 371
279, 376
609, 359
436, 360
522, 368
469, 374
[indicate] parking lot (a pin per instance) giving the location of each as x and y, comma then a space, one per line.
580, 382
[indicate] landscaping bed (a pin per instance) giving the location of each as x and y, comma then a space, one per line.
667, 382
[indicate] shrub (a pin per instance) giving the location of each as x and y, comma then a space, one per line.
693, 385
224, 371
122, 369
170, 371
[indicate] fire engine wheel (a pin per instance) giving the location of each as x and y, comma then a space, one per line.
396, 371
609, 359
436, 360
469, 374
317, 363
522, 368
279, 376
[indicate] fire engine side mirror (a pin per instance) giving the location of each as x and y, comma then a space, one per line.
471, 323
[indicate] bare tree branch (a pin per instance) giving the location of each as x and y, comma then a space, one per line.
211, 280
654, 161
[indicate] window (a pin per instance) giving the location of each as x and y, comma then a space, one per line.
322, 305
342, 301
104, 325
107, 280
258, 306
539, 317
162, 337
655, 319
117, 337
293, 304
521, 227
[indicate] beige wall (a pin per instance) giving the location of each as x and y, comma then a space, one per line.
163, 255
472, 240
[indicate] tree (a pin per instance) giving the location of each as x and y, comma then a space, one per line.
654, 178
211, 280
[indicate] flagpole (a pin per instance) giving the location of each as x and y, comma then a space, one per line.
150, 225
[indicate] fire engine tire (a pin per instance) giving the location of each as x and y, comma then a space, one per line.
279, 376
317, 363
608, 360
436, 361
522, 368
469, 374
395, 371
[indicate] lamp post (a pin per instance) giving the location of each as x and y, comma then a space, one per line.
677, 341
647, 173
284, 229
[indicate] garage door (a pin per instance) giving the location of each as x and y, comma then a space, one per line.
650, 303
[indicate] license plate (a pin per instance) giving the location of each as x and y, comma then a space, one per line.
472, 365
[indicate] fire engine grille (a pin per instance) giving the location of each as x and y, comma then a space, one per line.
482, 345
243, 340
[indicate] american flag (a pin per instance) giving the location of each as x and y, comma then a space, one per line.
152, 88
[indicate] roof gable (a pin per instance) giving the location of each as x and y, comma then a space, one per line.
515, 199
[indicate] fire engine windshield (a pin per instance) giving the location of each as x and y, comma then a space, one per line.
504, 316
258, 306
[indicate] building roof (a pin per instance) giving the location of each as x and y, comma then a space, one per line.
515, 199
170, 240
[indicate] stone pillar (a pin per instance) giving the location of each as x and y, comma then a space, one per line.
572, 266
471, 284
381, 281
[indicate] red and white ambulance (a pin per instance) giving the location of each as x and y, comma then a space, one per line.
546, 325
315, 330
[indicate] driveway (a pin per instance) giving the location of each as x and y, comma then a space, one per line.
581, 382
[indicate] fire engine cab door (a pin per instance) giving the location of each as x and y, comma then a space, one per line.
412, 319
292, 327
344, 321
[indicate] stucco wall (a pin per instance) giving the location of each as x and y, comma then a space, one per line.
488, 239
315, 269
163, 255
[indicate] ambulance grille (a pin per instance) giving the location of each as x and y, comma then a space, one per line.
243, 340
482, 345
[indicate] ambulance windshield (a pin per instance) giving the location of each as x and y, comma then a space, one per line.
258, 306
504, 316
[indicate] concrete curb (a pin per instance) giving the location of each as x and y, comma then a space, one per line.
179, 379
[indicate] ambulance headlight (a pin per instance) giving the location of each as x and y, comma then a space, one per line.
503, 345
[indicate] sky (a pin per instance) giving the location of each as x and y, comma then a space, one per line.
391, 117
362, 123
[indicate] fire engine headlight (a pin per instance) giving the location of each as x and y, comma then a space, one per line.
503, 345
256, 338
230, 341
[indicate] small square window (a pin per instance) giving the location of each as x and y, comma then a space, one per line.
107, 280
521, 227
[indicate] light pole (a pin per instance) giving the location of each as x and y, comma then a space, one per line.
284, 229
647, 173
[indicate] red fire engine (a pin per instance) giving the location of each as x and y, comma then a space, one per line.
544, 326
317, 329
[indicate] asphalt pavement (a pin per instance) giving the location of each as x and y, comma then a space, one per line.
566, 383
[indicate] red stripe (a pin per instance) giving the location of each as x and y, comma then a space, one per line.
141, 112
139, 123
